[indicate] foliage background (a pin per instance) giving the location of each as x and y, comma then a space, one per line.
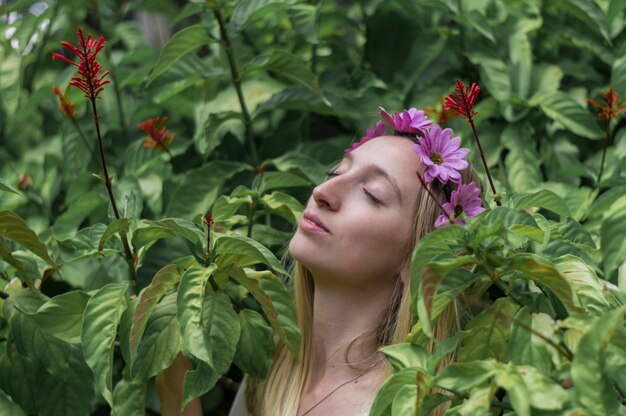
312, 77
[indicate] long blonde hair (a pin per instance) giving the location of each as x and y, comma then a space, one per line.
279, 393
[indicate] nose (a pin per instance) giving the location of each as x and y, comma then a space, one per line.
327, 195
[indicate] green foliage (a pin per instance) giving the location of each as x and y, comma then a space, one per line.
259, 118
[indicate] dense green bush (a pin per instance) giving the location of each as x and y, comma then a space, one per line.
260, 109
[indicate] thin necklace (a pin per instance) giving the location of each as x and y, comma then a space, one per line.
340, 386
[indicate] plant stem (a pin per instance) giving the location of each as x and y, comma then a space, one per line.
443, 210
496, 197
84, 140
607, 137
251, 218
107, 182
236, 79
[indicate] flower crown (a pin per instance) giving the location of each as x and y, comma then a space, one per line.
442, 155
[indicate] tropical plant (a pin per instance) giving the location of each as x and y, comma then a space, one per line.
110, 265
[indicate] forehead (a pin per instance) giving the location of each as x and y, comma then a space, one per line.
394, 155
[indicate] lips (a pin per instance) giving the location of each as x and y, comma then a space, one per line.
312, 222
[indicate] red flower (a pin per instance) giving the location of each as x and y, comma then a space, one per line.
463, 101
66, 106
88, 79
158, 135
611, 108
440, 113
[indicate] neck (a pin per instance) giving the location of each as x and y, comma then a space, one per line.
341, 316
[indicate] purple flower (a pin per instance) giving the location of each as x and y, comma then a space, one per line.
464, 200
378, 130
440, 151
410, 121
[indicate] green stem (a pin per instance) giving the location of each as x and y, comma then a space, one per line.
496, 197
107, 182
607, 138
251, 218
84, 140
236, 79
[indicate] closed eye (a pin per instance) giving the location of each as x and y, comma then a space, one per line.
372, 197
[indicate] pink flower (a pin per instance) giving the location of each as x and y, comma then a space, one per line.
463, 101
464, 200
89, 80
442, 155
378, 130
410, 121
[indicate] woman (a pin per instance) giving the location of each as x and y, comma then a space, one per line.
352, 250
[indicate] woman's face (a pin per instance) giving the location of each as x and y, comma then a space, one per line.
357, 224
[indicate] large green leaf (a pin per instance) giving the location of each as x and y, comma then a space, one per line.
565, 110
4, 186
301, 163
221, 330
183, 42
199, 188
14, 228
167, 228
542, 199
129, 398
198, 381
284, 205
8, 407
544, 273
254, 9
160, 343
190, 303
277, 304
211, 128
524, 347
465, 376
244, 251
19, 378
387, 392
117, 226
612, 232
285, 64
62, 316
255, 350
522, 161
405, 355
279, 180
101, 318
489, 333
162, 282
594, 389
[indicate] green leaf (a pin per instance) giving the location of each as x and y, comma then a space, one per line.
542, 199
465, 376
160, 343
162, 282
167, 228
478, 22
62, 316
129, 398
6, 255
8, 407
14, 228
211, 128
591, 292
253, 9
278, 180
198, 382
618, 75
495, 76
18, 378
405, 355
183, 42
285, 64
300, 163
70, 393
522, 161
594, 389
200, 187
255, 350
119, 225
612, 232
404, 402
390, 388
244, 251
489, 333
526, 348
304, 19
544, 273
4, 186
565, 110
509, 378
190, 303
101, 318
277, 304
284, 205
222, 330
543, 392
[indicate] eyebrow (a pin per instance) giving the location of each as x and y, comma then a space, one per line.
377, 169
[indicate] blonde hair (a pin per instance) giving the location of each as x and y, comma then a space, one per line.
279, 393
